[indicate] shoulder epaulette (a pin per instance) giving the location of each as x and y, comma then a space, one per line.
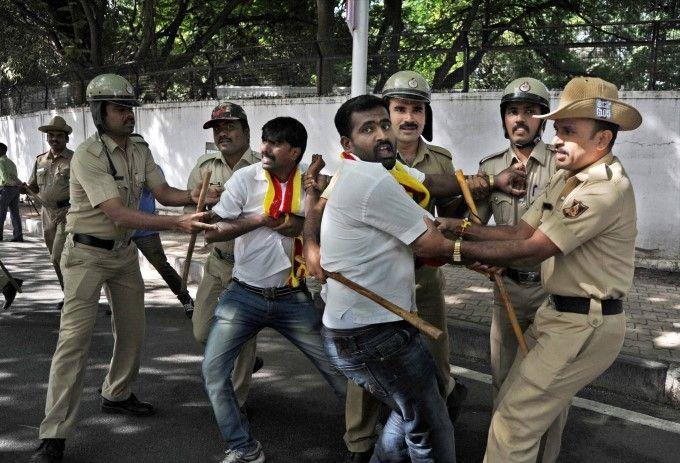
206, 157
440, 150
94, 146
491, 156
137, 138
42, 154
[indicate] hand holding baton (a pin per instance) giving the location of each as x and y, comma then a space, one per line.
505, 297
192, 241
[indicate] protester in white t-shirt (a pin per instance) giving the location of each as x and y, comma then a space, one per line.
262, 208
370, 231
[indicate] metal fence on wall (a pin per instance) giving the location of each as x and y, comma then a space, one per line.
637, 56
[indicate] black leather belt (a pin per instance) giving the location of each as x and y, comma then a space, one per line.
90, 240
271, 293
520, 276
63, 203
582, 305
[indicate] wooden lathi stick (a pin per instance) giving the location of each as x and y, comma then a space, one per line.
192, 240
505, 296
432, 331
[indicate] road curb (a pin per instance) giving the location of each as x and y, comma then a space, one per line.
633, 377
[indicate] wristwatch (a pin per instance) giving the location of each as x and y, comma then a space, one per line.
457, 257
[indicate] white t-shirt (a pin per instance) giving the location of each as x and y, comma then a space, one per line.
367, 226
262, 257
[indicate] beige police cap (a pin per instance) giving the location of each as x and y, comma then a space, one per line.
593, 98
56, 124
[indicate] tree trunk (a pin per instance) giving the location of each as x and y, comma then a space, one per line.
324, 32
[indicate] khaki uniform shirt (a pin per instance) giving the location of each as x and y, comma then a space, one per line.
221, 172
506, 209
8, 172
50, 178
430, 160
591, 217
92, 182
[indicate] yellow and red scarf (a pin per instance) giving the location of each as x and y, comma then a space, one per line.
287, 199
413, 187
415, 190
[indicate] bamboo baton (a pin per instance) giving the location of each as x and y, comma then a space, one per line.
505, 297
12, 281
192, 240
411, 317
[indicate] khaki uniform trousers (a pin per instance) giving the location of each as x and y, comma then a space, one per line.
567, 351
526, 299
86, 269
362, 410
54, 235
216, 279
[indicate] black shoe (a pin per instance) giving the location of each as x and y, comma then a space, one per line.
50, 451
131, 406
188, 304
17, 240
259, 363
10, 292
359, 457
454, 402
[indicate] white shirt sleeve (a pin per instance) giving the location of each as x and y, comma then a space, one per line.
233, 197
388, 208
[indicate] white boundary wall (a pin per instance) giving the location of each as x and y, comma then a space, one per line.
467, 124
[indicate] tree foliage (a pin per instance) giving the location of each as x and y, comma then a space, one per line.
184, 48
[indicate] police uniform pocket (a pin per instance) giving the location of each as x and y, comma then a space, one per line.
502, 208
560, 339
80, 279
123, 191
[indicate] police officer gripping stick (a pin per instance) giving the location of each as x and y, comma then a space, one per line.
108, 172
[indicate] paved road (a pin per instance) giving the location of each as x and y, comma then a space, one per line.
293, 412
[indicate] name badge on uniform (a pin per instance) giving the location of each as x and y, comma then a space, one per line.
576, 209
603, 109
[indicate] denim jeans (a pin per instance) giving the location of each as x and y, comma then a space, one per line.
239, 316
391, 362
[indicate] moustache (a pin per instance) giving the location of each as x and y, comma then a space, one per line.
408, 125
380, 145
221, 139
520, 126
268, 156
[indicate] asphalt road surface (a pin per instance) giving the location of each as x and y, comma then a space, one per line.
293, 412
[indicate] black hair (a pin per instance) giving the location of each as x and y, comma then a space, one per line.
286, 129
606, 125
3, 147
361, 103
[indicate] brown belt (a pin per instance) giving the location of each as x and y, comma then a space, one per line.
582, 305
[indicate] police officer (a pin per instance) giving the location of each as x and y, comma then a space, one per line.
9, 195
522, 99
583, 229
50, 181
108, 171
231, 135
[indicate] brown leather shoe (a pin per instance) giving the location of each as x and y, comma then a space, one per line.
131, 406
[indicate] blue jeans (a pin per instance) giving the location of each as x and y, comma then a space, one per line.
239, 316
390, 361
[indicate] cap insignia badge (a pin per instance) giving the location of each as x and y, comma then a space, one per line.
603, 109
413, 83
525, 87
